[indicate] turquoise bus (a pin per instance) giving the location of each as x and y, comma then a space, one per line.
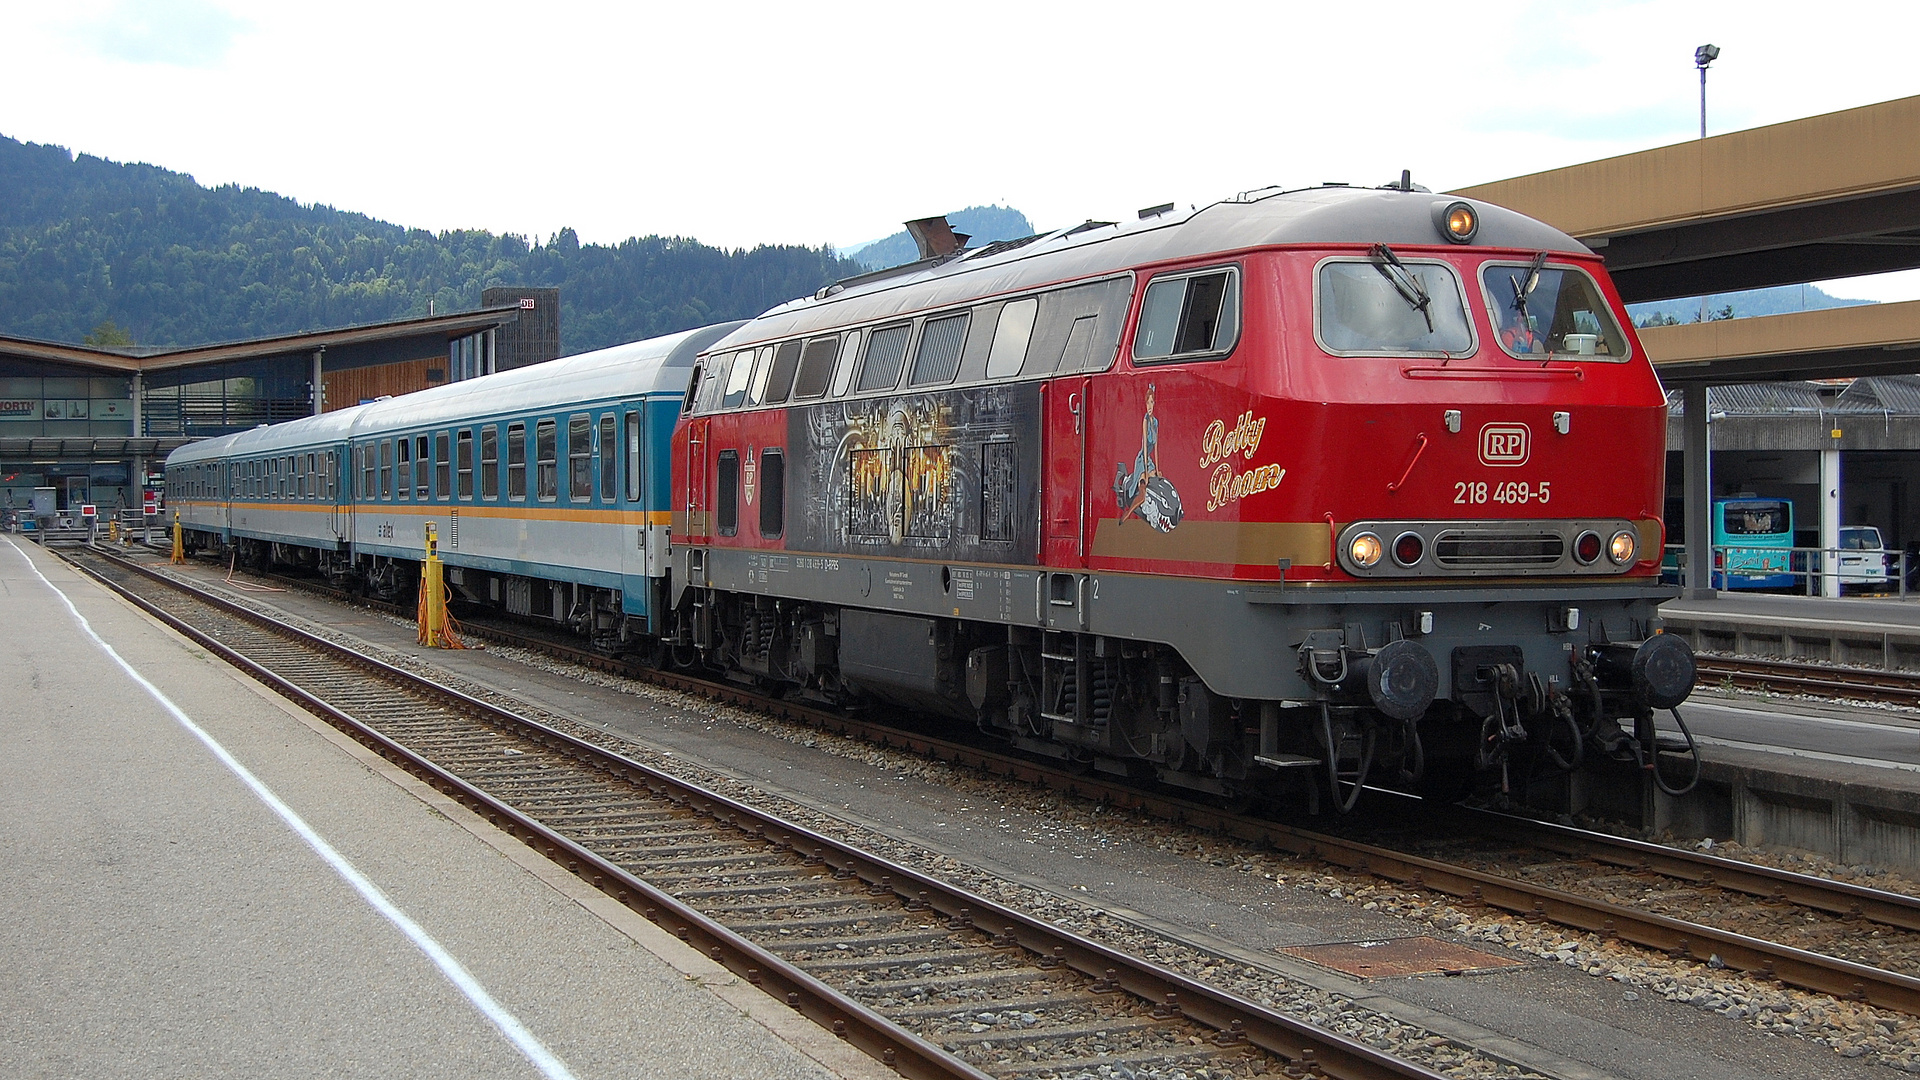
1752, 543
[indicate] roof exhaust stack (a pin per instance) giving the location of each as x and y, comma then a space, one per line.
935, 237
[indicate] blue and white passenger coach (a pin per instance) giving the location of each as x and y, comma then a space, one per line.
547, 485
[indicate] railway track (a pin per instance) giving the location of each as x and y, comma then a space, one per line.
1492, 884
1820, 680
928, 978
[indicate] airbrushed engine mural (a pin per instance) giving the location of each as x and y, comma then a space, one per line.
922, 471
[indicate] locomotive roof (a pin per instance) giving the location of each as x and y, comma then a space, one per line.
1322, 215
636, 369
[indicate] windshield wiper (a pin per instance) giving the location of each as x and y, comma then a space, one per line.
1408, 286
1522, 291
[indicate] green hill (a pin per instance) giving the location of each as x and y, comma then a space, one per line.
85, 241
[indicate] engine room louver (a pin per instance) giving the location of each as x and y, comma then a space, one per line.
1494, 550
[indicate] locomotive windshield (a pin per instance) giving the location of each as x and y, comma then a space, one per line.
1543, 311
1417, 307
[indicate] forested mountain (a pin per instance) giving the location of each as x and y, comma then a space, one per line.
984, 224
86, 242
1737, 305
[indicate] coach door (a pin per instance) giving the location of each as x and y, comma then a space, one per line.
1064, 488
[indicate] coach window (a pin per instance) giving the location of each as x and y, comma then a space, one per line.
849, 356
739, 373
420, 452
546, 457
580, 458
403, 468
609, 448
885, 352
517, 461
463, 462
786, 361
313, 476
490, 462
633, 455
773, 493
1010, 337
386, 468
369, 471
938, 359
711, 381
762, 365
329, 490
1188, 316
816, 368
442, 468
727, 493
1385, 306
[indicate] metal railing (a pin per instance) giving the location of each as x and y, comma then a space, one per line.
1888, 569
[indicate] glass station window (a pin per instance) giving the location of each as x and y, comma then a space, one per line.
490, 462
1550, 312
1380, 307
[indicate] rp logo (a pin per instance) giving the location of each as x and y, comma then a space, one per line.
1505, 444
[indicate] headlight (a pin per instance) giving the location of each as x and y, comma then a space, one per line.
1620, 550
1364, 550
1458, 222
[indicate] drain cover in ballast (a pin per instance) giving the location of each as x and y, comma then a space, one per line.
1394, 957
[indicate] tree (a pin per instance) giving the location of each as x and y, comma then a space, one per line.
107, 336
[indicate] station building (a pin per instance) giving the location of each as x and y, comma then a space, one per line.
1842, 448
95, 424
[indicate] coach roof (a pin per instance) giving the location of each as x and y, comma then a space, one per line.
1323, 215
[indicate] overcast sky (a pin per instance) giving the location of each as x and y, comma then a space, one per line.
739, 124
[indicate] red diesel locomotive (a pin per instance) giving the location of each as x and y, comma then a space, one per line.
1303, 489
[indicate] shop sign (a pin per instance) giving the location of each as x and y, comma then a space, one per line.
19, 408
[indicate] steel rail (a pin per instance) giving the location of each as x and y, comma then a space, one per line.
1822, 680
1236, 1019
1679, 938
1821, 894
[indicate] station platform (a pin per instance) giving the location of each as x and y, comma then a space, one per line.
217, 884
1870, 631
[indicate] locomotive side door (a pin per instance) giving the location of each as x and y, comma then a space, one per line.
1064, 482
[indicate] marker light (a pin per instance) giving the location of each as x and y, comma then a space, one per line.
1408, 548
1621, 549
1459, 222
1364, 550
1586, 548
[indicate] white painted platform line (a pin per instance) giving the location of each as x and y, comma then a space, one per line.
523, 1040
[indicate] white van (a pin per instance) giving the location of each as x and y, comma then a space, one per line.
1863, 558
